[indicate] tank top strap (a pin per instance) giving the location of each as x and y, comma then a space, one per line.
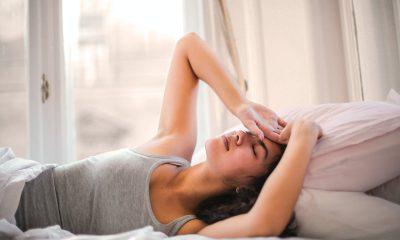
175, 225
157, 158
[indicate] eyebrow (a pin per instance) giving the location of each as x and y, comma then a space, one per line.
262, 145
265, 148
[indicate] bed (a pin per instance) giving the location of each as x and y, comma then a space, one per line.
341, 198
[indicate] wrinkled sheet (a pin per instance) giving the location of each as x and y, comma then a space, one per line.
145, 233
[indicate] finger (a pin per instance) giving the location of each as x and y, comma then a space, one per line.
278, 131
254, 128
273, 137
267, 128
284, 136
282, 122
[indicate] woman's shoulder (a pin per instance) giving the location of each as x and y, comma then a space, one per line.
167, 146
192, 227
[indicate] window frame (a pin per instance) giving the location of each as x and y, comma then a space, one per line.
51, 125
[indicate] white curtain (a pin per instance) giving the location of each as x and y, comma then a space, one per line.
293, 53
217, 117
286, 55
245, 19
377, 25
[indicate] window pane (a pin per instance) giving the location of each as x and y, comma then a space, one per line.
120, 59
13, 74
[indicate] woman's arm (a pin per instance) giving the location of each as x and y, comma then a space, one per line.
192, 60
257, 118
205, 66
278, 197
274, 206
208, 68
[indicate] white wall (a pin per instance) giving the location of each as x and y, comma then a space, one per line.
303, 52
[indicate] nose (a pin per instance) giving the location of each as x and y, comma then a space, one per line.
239, 137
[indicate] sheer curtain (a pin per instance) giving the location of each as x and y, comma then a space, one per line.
291, 52
379, 31
217, 115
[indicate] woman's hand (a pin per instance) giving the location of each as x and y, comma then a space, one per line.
300, 126
260, 120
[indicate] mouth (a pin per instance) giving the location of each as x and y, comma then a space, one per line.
225, 142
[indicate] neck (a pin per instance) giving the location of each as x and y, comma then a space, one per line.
195, 184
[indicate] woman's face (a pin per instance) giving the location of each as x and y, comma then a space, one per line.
240, 156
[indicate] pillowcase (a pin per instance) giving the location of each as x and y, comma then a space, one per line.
346, 215
358, 167
360, 147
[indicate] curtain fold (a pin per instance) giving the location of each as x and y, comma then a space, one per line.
215, 34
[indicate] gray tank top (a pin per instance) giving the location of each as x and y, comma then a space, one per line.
109, 193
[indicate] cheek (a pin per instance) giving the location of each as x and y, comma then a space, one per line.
238, 162
213, 150
247, 165
229, 164
240, 158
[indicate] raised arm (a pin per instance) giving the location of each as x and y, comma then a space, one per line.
257, 118
192, 61
274, 206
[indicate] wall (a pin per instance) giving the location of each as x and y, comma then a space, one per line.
303, 52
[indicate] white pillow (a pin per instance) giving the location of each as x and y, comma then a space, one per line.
346, 215
358, 167
360, 148
342, 160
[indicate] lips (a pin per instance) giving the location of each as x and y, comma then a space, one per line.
226, 143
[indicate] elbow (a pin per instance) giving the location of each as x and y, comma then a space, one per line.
263, 232
264, 229
267, 226
188, 37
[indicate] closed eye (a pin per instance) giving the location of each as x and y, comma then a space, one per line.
259, 142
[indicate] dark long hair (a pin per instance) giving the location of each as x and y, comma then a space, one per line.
230, 204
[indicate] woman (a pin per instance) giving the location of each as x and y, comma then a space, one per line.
153, 184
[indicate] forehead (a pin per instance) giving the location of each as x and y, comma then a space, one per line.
274, 148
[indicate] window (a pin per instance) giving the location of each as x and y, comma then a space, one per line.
119, 56
13, 75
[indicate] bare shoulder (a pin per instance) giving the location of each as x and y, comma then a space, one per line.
168, 145
192, 227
